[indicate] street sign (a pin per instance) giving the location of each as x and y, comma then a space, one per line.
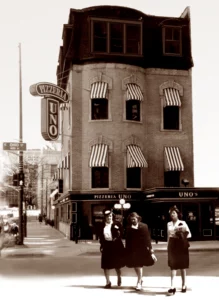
14, 146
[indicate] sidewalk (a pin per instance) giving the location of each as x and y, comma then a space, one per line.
43, 240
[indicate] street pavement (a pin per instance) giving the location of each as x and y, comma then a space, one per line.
50, 265
43, 240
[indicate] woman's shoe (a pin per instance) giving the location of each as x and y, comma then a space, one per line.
184, 289
119, 281
108, 285
172, 291
138, 287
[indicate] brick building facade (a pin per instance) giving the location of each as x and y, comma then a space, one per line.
128, 125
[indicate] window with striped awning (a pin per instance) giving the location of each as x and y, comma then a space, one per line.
171, 97
99, 156
172, 159
135, 157
134, 92
98, 90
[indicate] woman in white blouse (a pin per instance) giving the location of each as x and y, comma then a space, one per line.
111, 247
178, 247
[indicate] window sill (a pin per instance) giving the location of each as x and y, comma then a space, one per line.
134, 189
173, 54
171, 130
133, 122
100, 120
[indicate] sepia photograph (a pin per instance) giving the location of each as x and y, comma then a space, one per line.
109, 158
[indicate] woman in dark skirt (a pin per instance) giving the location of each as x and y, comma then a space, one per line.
139, 251
111, 247
178, 247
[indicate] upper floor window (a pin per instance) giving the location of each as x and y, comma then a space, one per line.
134, 97
171, 118
172, 179
172, 40
116, 37
100, 177
99, 103
171, 109
99, 166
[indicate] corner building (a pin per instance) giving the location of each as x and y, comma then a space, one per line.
127, 128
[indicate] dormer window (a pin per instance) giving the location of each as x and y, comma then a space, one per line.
172, 40
116, 37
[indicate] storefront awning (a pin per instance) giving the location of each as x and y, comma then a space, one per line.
52, 195
98, 90
134, 92
135, 157
172, 97
172, 159
99, 156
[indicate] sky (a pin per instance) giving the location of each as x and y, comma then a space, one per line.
38, 26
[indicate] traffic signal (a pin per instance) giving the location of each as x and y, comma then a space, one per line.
60, 186
21, 178
15, 179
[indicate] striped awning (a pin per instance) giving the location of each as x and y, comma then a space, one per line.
98, 90
172, 159
54, 193
135, 157
134, 92
172, 97
99, 156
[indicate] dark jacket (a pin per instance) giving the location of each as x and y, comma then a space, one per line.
138, 246
116, 230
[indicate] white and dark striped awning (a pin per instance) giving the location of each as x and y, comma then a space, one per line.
172, 97
172, 159
135, 157
99, 156
134, 92
98, 90
54, 193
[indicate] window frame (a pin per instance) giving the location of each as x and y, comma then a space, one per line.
172, 173
108, 37
164, 117
164, 40
133, 102
92, 178
100, 100
140, 178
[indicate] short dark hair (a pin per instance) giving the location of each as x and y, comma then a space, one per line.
174, 208
133, 215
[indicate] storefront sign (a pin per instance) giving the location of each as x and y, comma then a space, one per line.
53, 97
113, 196
188, 194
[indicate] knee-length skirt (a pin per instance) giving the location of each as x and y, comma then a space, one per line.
113, 255
178, 254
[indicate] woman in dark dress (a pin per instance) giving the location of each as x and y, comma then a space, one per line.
177, 247
139, 251
111, 247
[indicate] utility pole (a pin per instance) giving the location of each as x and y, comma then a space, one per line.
21, 170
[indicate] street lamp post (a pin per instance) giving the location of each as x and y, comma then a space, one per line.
122, 205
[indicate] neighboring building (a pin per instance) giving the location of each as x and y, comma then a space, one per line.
49, 162
127, 131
